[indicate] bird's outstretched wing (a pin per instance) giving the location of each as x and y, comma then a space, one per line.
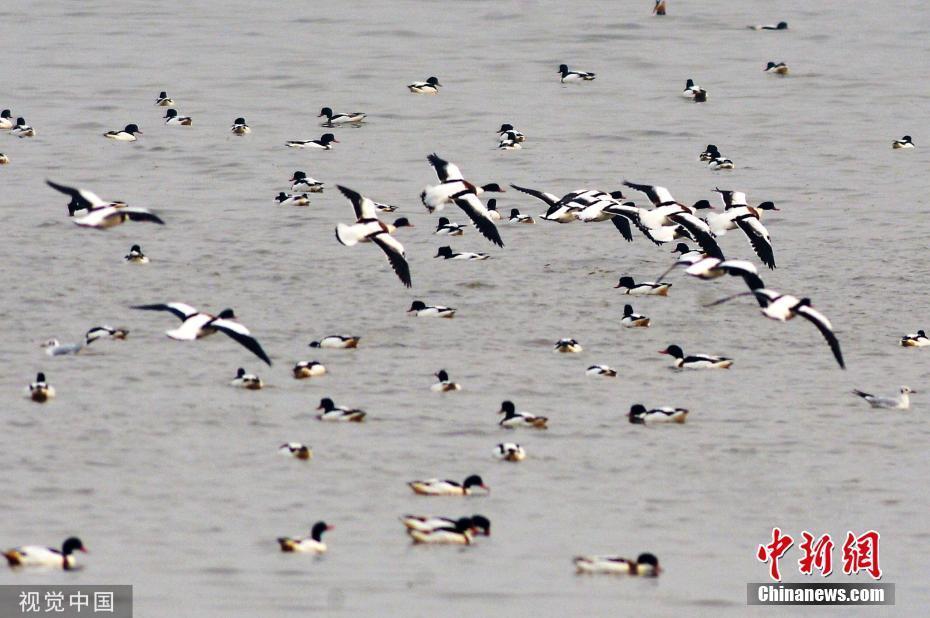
446, 171
826, 329
241, 334
395, 255
180, 310
479, 216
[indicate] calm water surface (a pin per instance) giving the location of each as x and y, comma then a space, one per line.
171, 477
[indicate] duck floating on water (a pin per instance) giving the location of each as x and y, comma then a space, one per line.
336, 342
639, 415
917, 340
312, 544
632, 319
332, 412
601, 370
444, 385
36, 556
567, 346
41, 391
247, 381
509, 451
574, 76
436, 487
904, 142
430, 86
126, 135
296, 450
419, 309
513, 419
696, 361
646, 288
308, 369
646, 565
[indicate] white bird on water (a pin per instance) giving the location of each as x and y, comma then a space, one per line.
901, 402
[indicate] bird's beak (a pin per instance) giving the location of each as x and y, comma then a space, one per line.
336, 141
330, 527
616, 286
486, 488
84, 549
663, 351
319, 407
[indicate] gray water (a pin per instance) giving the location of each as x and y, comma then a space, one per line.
171, 477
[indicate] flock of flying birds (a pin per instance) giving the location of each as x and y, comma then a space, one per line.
664, 220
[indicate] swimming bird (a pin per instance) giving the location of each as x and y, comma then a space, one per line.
308, 369
456, 533
101, 214
508, 141
312, 544
574, 76
302, 183
448, 254
783, 307
782, 25
646, 288
436, 487
334, 119
509, 451
163, 100
917, 340
41, 391
367, 228
36, 556
385, 207
419, 309
4, 159
454, 188
567, 346
53, 347
646, 565
444, 385
196, 325
336, 342
711, 152
429, 523
332, 412
696, 361
22, 129
777, 69
516, 217
105, 332
444, 227
513, 419
691, 90
239, 127
631, 319
296, 450
904, 142
247, 381
493, 213
135, 256
324, 143
126, 135
659, 8
287, 199
700, 96
515, 135
6, 120
639, 415
172, 117
430, 86
601, 371
901, 402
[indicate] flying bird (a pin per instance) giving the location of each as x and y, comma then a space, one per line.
101, 214
196, 325
368, 228
454, 188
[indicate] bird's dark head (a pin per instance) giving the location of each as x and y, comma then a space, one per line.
474, 481
443, 252
507, 407
132, 128
625, 282
402, 222
328, 138
326, 112
326, 404
505, 127
702, 205
171, 113
494, 187
71, 545
239, 121
767, 206
682, 248
482, 523
442, 376
433, 81
673, 351
782, 25
563, 69
627, 310
227, 314
417, 305
240, 372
